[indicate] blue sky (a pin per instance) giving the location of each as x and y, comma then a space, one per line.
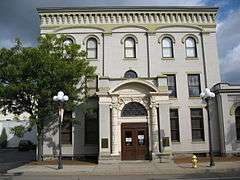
18, 18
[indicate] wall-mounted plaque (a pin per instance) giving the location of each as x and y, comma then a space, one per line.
165, 141
104, 142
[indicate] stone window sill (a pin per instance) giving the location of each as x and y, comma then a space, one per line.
167, 59
195, 97
129, 59
192, 59
66, 145
176, 142
198, 142
89, 59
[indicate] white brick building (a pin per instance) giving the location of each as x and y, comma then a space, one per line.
152, 63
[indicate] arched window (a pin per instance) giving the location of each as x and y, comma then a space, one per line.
130, 74
237, 116
68, 41
129, 48
91, 48
191, 49
133, 109
167, 47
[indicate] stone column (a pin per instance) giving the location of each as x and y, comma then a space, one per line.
116, 131
104, 127
165, 131
155, 131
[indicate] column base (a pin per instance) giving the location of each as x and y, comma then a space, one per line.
164, 157
109, 159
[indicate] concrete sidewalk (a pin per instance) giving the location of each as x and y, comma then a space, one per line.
129, 168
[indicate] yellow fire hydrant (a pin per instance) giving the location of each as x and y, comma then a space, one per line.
194, 161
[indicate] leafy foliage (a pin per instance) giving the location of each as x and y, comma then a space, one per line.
18, 131
3, 138
30, 77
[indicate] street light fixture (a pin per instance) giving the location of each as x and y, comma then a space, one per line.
60, 98
206, 95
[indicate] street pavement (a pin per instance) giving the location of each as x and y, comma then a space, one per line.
128, 177
12, 158
128, 168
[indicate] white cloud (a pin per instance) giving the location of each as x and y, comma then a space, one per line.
230, 65
228, 37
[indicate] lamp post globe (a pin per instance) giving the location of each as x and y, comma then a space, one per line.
206, 95
60, 98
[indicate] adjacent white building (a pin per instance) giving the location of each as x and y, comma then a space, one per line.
10, 121
152, 63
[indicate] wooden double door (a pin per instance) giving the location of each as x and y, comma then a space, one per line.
135, 143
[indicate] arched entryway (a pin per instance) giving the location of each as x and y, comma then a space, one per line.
134, 136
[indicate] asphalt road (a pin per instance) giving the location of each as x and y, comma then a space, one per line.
147, 177
12, 158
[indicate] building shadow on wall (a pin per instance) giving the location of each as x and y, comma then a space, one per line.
50, 130
85, 135
231, 139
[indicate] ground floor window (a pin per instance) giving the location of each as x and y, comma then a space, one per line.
237, 115
91, 127
197, 124
67, 128
174, 122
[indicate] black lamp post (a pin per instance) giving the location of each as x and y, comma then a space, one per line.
206, 95
60, 98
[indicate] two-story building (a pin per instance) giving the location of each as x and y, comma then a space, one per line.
152, 64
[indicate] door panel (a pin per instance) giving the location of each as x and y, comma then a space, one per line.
134, 141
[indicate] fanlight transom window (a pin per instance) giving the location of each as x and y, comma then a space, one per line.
130, 74
167, 47
129, 48
91, 48
133, 109
191, 49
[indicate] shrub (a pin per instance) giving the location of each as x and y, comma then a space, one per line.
3, 138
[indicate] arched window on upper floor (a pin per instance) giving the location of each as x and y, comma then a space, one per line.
68, 41
130, 74
191, 47
167, 47
92, 48
133, 109
129, 48
237, 116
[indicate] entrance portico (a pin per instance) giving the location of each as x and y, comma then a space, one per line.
138, 104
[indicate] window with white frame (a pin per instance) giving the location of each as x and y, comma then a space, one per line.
167, 47
197, 124
68, 41
92, 48
129, 48
191, 48
171, 82
174, 123
194, 86
66, 135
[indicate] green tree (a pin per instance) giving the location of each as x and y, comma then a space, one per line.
30, 77
3, 138
18, 131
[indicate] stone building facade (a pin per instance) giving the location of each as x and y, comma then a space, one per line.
152, 63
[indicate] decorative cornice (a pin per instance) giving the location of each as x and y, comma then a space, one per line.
194, 16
